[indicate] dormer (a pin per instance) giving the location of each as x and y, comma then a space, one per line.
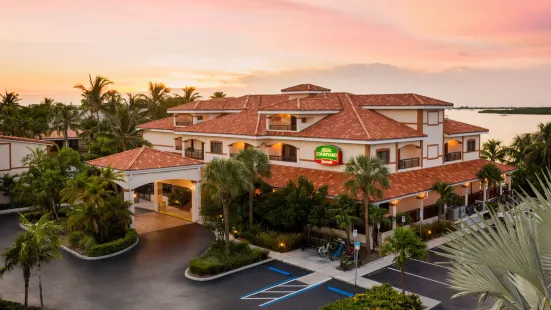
304, 90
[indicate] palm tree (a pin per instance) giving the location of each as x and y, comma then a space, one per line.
377, 215
65, 118
509, 262
226, 179
406, 245
447, 196
493, 150
369, 175
190, 94
122, 127
258, 165
218, 94
156, 100
7, 185
518, 149
48, 101
10, 99
490, 174
343, 211
44, 238
137, 103
19, 254
540, 150
94, 97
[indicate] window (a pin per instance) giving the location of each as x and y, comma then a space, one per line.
471, 145
384, 155
199, 117
216, 147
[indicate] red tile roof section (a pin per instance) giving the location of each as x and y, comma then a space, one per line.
238, 103
246, 123
21, 139
143, 158
305, 87
166, 123
401, 184
55, 135
322, 102
398, 100
452, 127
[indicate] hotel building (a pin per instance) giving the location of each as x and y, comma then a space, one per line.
309, 130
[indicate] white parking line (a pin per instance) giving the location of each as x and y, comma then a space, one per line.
293, 285
277, 292
411, 274
422, 261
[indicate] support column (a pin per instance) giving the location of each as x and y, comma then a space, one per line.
196, 203
393, 216
421, 210
156, 198
484, 190
129, 196
466, 196
501, 188
510, 182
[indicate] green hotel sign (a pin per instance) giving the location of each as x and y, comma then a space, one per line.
328, 155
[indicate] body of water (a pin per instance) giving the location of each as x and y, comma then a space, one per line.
503, 128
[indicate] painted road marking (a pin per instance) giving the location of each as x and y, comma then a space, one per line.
422, 261
279, 271
294, 294
293, 285
411, 274
336, 290
267, 288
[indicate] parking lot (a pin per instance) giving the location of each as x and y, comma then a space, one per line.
274, 285
428, 279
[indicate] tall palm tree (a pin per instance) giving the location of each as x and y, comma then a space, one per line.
44, 238
406, 245
540, 150
8, 184
190, 94
20, 254
511, 261
10, 99
490, 174
156, 99
122, 127
226, 179
447, 196
218, 94
344, 212
48, 101
137, 103
95, 96
377, 215
493, 150
518, 149
258, 165
369, 175
65, 118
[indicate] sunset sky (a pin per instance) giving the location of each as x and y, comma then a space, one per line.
468, 52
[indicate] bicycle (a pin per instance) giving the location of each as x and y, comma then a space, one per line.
339, 251
322, 250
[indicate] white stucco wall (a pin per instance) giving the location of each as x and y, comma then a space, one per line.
402, 116
471, 155
433, 148
163, 141
12, 154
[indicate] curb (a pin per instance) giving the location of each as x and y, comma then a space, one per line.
93, 257
204, 279
9, 211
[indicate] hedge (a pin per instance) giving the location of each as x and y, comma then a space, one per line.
12, 305
114, 246
275, 241
215, 261
380, 297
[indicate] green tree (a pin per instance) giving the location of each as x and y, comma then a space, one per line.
190, 94
7, 185
518, 149
44, 238
447, 196
218, 94
490, 174
157, 100
368, 176
65, 118
377, 216
509, 262
10, 99
226, 179
258, 165
344, 210
540, 150
122, 127
406, 245
95, 97
20, 255
138, 104
493, 150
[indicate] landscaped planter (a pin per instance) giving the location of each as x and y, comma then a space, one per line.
193, 277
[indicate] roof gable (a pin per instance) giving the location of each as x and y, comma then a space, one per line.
305, 88
406, 100
452, 127
143, 158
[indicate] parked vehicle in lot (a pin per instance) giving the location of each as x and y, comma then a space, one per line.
339, 251
323, 250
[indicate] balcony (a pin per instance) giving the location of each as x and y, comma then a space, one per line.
193, 153
452, 156
283, 127
283, 158
408, 163
178, 147
184, 123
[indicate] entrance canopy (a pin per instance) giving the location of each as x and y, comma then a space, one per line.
145, 165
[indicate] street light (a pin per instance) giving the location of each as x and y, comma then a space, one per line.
282, 246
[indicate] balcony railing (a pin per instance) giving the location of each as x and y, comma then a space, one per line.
283, 158
452, 156
178, 147
408, 163
184, 123
283, 127
193, 153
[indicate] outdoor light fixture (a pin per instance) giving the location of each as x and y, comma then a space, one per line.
235, 232
430, 232
421, 196
282, 244
192, 187
466, 184
394, 202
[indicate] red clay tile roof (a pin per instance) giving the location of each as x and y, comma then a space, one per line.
305, 87
238, 103
20, 139
246, 123
58, 136
321, 102
401, 184
398, 100
143, 158
166, 123
454, 127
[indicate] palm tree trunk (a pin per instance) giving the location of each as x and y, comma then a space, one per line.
366, 221
26, 277
403, 280
65, 138
251, 198
226, 211
97, 119
40, 286
348, 227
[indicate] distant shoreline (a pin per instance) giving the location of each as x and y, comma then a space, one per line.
511, 110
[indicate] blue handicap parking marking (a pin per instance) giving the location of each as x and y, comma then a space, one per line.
279, 271
336, 290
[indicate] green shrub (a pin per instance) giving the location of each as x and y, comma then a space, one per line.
12, 305
436, 228
73, 239
380, 297
273, 240
215, 261
113, 246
